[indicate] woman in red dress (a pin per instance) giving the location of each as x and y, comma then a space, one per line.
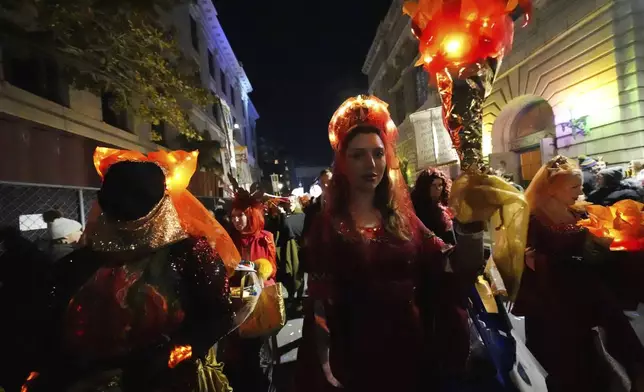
569, 310
385, 299
430, 197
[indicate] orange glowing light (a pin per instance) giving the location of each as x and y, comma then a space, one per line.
178, 355
485, 30
455, 46
179, 166
356, 110
32, 376
621, 224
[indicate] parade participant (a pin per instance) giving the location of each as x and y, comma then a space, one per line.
430, 197
140, 308
574, 325
248, 362
385, 299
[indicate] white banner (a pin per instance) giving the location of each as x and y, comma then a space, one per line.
433, 143
243, 170
228, 124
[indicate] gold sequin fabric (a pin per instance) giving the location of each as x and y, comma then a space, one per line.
159, 228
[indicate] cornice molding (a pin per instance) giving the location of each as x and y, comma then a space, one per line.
405, 34
217, 37
394, 12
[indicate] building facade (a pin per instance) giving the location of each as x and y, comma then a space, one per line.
571, 85
392, 77
232, 121
585, 59
276, 166
48, 130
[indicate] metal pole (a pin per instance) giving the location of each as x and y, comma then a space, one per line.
81, 203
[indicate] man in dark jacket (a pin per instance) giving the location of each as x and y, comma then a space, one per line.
589, 168
611, 188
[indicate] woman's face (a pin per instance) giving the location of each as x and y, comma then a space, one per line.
436, 189
567, 189
240, 220
365, 162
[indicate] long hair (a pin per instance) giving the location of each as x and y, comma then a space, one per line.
424, 182
391, 195
255, 219
434, 216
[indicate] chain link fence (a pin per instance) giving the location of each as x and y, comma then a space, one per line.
22, 206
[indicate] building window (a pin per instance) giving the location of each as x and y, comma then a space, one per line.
160, 130
231, 94
222, 76
38, 75
112, 117
194, 34
215, 110
211, 64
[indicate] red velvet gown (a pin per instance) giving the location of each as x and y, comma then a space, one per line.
393, 312
562, 299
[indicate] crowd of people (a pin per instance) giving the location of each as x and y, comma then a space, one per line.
154, 296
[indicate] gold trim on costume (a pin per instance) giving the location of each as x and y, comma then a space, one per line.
157, 229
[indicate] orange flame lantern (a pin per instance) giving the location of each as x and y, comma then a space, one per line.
458, 33
623, 223
464, 40
178, 355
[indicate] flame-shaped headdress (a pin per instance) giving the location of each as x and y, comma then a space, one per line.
244, 199
178, 167
361, 110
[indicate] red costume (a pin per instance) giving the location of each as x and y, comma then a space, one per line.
565, 294
393, 307
142, 305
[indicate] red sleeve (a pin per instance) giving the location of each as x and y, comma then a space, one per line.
320, 277
444, 302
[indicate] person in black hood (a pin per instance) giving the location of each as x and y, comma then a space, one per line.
589, 168
611, 188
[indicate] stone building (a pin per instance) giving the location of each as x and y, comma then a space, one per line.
392, 76
49, 130
571, 85
579, 61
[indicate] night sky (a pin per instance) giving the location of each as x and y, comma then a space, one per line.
303, 58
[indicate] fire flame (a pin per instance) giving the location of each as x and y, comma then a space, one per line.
623, 223
178, 355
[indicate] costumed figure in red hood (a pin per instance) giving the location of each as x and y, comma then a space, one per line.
247, 358
141, 306
385, 293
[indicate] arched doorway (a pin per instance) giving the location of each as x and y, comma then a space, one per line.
523, 135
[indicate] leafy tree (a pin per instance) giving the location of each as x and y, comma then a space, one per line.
118, 46
209, 152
